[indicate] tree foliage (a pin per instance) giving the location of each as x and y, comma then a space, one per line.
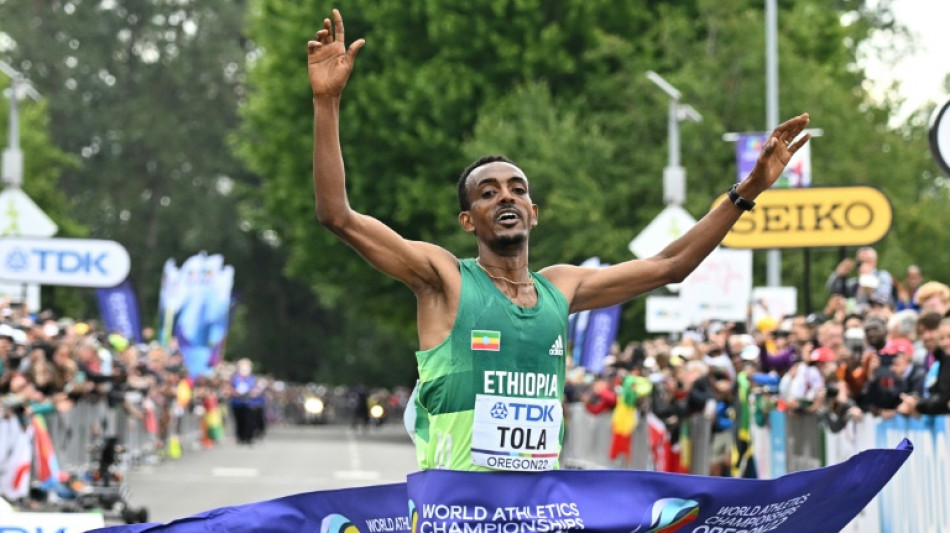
143, 97
152, 99
559, 87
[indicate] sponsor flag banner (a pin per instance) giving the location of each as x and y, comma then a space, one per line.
16, 458
601, 332
376, 509
47, 465
119, 309
824, 499
748, 148
577, 322
194, 309
797, 173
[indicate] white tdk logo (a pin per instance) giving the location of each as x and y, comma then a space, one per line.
557, 348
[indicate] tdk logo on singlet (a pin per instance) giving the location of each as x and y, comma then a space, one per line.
523, 411
499, 411
557, 348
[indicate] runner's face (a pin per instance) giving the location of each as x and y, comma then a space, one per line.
501, 211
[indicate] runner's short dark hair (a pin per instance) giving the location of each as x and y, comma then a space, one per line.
464, 204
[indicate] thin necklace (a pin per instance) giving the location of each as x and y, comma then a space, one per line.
500, 278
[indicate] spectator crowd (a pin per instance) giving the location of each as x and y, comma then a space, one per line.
878, 348
54, 368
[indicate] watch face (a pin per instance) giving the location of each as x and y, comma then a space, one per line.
940, 136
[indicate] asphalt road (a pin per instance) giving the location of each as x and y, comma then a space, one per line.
289, 460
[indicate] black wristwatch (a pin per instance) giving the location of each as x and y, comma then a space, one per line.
738, 201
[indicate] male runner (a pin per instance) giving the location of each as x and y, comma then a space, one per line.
492, 332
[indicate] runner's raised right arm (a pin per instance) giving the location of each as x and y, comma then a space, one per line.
329, 64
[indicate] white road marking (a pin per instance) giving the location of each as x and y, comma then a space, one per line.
226, 471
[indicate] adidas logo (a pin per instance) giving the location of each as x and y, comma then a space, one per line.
557, 348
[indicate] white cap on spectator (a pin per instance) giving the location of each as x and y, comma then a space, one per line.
686, 352
19, 336
749, 353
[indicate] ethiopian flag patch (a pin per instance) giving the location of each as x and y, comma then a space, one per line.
486, 340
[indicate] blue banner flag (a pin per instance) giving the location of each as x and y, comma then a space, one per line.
823, 500
376, 509
119, 309
748, 147
599, 335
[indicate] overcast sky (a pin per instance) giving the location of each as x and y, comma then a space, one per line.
921, 74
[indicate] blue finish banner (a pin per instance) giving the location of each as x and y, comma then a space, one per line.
615, 501
599, 501
377, 509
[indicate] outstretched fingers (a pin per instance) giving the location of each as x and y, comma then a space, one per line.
332, 33
799, 143
355, 48
338, 26
791, 128
326, 34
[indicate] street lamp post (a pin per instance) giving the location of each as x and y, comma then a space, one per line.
12, 155
674, 175
773, 271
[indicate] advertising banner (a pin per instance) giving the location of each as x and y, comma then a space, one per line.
65, 262
50, 522
773, 302
665, 314
720, 288
809, 218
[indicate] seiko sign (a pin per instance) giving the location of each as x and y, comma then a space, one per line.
813, 217
67, 262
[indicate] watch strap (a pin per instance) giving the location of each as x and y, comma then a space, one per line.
739, 201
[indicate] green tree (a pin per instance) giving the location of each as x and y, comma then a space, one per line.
143, 96
560, 87
426, 71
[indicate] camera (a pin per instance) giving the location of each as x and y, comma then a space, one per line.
831, 390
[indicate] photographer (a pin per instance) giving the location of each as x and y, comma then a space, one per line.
936, 395
892, 373
838, 408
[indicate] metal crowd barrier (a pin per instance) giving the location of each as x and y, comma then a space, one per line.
587, 441
78, 432
914, 501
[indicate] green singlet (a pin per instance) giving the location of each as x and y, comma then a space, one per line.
489, 396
